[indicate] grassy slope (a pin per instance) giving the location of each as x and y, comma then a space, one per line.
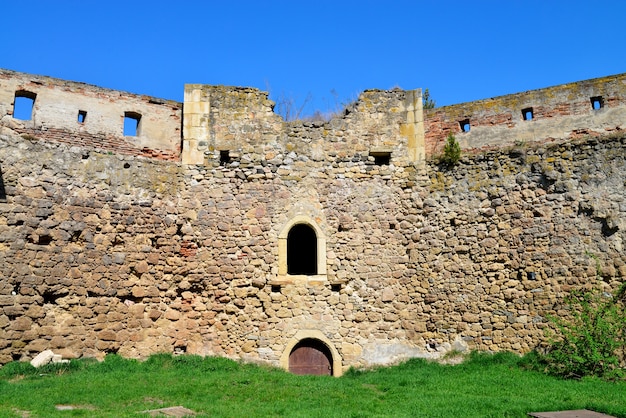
484, 386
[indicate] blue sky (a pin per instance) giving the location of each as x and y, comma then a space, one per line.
327, 50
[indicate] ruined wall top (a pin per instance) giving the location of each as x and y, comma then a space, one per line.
589, 107
222, 122
86, 115
219, 124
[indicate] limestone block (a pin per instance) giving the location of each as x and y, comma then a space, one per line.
21, 323
388, 295
42, 358
107, 335
248, 346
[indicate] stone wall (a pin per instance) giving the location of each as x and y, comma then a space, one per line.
589, 107
85, 115
105, 252
241, 122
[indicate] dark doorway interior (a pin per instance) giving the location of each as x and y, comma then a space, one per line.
311, 356
302, 250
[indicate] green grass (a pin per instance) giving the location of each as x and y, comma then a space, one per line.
482, 386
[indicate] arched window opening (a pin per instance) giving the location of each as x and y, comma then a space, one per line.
302, 250
24, 104
311, 356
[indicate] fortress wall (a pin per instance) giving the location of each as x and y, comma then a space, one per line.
105, 252
560, 112
117, 254
55, 116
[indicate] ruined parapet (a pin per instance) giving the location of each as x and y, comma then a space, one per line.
85, 115
219, 123
593, 107
223, 119
223, 123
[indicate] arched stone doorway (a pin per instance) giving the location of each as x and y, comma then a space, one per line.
327, 355
311, 356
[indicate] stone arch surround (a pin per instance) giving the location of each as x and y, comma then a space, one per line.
282, 245
313, 335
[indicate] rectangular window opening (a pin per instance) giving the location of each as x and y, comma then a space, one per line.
381, 158
82, 115
527, 114
465, 125
597, 102
24, 105
224, 157
132, 123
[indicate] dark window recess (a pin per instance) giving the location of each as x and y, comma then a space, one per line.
275, 288
597, 102
24, 105
224, 157
302, 250
335, 287
465, 125
43, 240
3, 194
132, 124
381, 158
82, 115
527, 114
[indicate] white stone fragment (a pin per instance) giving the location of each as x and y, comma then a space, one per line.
42, 358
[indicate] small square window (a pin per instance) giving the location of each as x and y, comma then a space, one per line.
82, 115
597, 102
224, 157
132, 123
527, 114
465, 125
381, 158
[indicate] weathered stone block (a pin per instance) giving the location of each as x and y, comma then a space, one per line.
42, 358
107, 335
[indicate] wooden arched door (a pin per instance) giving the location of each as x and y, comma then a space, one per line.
311, 356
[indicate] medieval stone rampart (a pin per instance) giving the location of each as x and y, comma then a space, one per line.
395, 257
